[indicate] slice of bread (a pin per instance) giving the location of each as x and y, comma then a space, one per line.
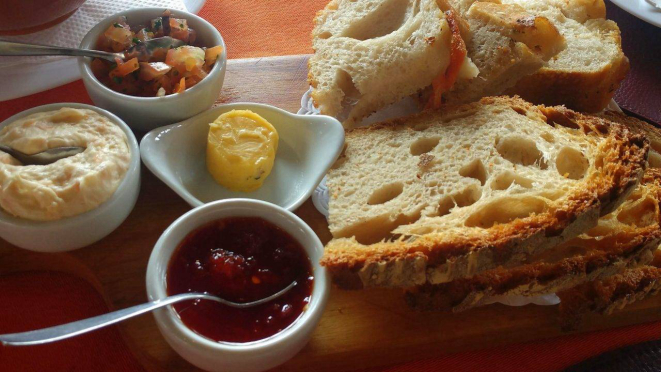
623, 239
507, 43
448, 194
371, 53
610, 294
586, 74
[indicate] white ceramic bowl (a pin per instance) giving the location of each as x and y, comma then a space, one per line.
308, 146
146, 113
237, 357
86, 228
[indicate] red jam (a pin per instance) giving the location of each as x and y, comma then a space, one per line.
240, 259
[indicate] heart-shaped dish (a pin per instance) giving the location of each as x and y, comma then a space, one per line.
308, 146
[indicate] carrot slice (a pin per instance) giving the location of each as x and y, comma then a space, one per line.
444, 81
181, 86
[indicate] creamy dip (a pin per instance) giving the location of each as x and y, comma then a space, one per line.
69, 186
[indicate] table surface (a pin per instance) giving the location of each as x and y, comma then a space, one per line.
359, 329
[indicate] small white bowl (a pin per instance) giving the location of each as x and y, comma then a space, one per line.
146, 113
225, 356
308, 146
86, 228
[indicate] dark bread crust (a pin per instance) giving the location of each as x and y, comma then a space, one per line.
437, 259
608, 295
630, 247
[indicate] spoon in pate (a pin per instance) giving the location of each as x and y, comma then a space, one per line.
61, 332
45, 157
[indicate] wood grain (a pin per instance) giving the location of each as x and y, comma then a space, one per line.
358, 330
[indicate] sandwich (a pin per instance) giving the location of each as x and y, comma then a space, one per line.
369, 54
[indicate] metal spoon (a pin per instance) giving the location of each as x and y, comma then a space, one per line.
8, 48
45, 157
61, 332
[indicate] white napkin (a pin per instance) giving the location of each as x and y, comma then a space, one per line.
71, 32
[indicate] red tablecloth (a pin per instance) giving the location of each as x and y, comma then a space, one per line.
251, 28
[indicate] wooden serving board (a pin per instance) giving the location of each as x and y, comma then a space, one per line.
359, 329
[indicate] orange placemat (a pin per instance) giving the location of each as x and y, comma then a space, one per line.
263, 28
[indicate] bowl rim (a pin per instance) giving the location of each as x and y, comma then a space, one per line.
157, 285
90, 38
195, 202
132, 171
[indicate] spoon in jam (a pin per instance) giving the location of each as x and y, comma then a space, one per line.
45, 157
64, 331
142, 50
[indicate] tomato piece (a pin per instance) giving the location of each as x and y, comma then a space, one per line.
151, 70
163, 82
125, 68
144, 35
185, 56
446, 79
99, 68
125, 84
179, 29
119, 35
211, 55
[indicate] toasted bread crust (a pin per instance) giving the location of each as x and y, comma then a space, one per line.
611, 294
631, 247
581, 91
437, 259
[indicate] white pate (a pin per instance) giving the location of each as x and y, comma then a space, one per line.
70, 186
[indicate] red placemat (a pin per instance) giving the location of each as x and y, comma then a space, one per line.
33, 300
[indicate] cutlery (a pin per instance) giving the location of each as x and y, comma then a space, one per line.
45, 157
142, 50
64, 331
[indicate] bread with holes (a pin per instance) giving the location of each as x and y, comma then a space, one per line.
623, 239
586, 74
369, 54
449, 194
507, 44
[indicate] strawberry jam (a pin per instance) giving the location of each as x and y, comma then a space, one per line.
240, 259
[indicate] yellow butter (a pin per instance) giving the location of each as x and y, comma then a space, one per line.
241, 150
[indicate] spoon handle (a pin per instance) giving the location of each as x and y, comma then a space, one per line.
46, 335
8, 48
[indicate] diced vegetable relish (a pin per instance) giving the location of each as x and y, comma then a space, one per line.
156, 72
